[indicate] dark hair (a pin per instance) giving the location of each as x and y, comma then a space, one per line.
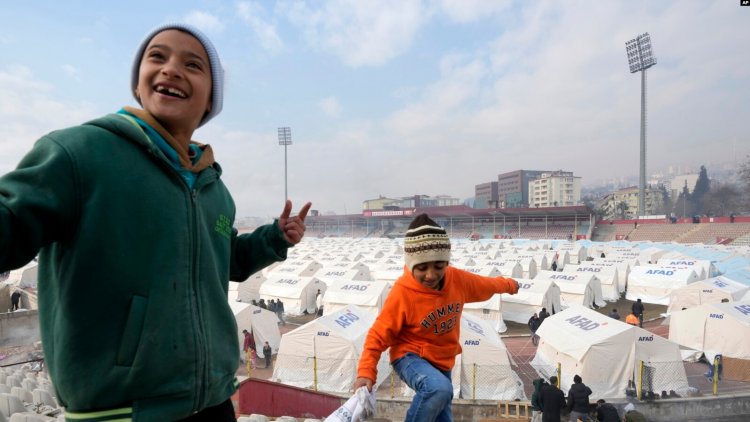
553, 380
600, 401
577, 379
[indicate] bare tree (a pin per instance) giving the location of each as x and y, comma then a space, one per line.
722, 200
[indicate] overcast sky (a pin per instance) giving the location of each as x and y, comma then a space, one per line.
397, 97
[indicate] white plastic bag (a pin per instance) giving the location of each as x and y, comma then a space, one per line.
361, 405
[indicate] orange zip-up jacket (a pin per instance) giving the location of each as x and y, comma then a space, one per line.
425, 321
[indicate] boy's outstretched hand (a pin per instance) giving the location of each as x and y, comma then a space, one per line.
293, 227
363, 382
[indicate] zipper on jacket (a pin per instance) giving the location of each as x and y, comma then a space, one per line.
201, 346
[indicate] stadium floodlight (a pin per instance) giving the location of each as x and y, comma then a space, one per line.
641, 57
285, 138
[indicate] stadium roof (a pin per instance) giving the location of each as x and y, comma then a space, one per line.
462, 211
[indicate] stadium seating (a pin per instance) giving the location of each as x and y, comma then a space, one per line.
708, 232
10, 404
29, 417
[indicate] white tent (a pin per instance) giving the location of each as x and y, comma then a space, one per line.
653, 284
543, 259
576, 252
526, 261
485, 354
367, 295
651, 255
297, 293
575, 288
562, 258
507, 268
249, 289
712, 290
714, 328
532, 296
606, 353
607, 276
25, 276
388, 272
703, 268
294, 268
623, 268
482, 270
329, 276
327, 349
261, 322
344, 265
491, 310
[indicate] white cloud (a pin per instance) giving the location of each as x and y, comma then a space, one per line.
553, 91
251, 13
204, 21
29, 110
465, 11
71, 71
360, 33
330, 106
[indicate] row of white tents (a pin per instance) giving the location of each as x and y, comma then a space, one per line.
331, 347
355, 277
607, 353
586, 280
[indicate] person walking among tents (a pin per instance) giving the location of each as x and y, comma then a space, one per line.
319, 303
578, 400
552, 400
15, 300
272, 306
638, 310
534, 323
632, 319
536, 405
267, 354
542, 315
280, 311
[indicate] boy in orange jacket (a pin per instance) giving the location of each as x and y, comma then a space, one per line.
421, 319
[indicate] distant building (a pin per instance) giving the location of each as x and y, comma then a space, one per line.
379, 203
409, 202
623, 203
512, 190
486, 195
513, 187
555, 189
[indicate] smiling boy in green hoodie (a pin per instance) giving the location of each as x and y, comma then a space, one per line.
134, 230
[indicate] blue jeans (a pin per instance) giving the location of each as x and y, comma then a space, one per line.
433, 387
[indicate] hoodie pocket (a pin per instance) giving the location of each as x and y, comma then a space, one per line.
131, 335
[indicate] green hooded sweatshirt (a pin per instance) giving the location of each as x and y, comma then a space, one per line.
133, 272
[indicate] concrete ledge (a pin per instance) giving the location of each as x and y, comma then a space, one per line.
729, 408
19, 328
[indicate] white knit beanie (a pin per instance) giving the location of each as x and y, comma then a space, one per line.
425, 241
217, 72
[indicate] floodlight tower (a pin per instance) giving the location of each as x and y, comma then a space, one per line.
640, 58
285, 138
